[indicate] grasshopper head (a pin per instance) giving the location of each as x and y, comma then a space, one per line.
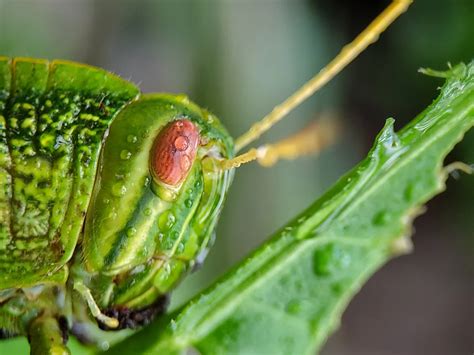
156, 200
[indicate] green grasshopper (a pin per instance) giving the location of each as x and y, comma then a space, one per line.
109, 197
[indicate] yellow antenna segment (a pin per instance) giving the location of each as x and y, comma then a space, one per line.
310, 140
347, 55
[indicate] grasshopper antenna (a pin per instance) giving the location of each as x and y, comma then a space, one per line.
310, 140
345, 56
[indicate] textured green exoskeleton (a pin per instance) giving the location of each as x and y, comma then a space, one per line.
87, 230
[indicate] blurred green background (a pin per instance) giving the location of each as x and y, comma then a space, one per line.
239, 58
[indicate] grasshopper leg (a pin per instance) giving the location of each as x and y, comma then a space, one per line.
86, 294
46, 336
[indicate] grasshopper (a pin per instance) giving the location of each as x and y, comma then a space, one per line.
109, 197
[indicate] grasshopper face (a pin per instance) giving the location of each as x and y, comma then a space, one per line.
155, 203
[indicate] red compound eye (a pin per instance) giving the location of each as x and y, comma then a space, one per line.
174, 151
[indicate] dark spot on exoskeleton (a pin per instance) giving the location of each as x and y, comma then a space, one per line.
135, 318
56, 290
56, 247
64, 326
103, 103
102, 108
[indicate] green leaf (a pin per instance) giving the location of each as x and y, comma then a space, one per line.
288, 296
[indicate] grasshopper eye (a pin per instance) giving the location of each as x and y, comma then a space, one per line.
174, 151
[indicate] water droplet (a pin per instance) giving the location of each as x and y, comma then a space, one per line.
131, 138
165, 193
119, 189
197, 184
131, 232
180, 248
147, 211
104, 345
106, 201
112, 214
188, 203
147, 180
125, 154
166, 220
174, 235
167, 244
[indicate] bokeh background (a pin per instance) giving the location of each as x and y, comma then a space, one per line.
239, 58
